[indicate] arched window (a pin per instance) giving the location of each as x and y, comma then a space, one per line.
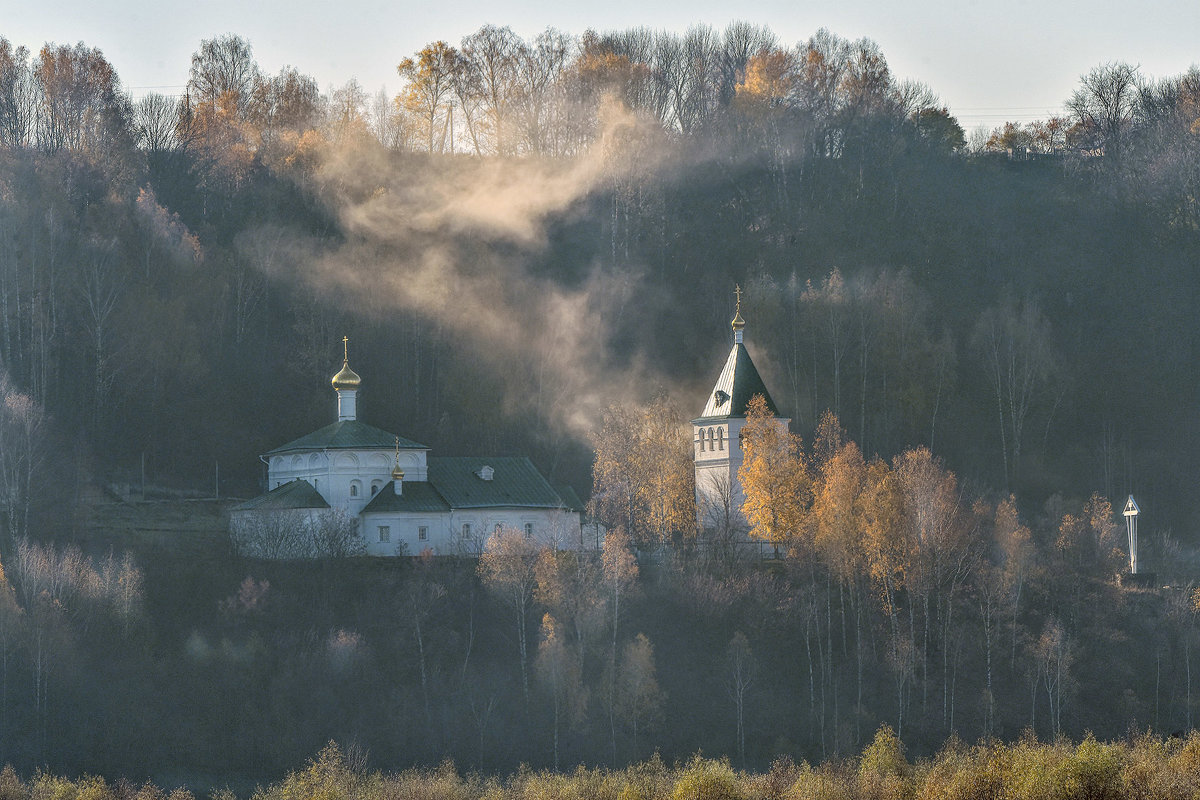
354, 490
701, 440
720, 438
711, 437
466, 530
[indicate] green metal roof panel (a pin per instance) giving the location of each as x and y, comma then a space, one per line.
292, 495
415, 497
515, 482
347, 435
738, 383
569, 498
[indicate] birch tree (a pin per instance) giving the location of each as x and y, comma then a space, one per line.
507, 568
559, 671
430, 82
1014, 346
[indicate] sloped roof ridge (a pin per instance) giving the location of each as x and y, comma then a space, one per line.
347, 435
737, 384
295, 494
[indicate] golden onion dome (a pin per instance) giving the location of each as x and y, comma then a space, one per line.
738, 322
346, 378
397, 473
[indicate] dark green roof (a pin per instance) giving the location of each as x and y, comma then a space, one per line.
515, 482
739, 382
415, 497
347, 435
570, 500
292, 495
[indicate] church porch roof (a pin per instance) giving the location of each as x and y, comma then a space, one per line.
297, 494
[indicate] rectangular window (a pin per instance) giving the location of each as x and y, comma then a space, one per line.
385, 533
528, 530
422, 533
466, 530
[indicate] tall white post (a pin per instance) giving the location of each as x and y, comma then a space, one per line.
1131, 515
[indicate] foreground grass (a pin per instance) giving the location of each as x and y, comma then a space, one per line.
1147, 767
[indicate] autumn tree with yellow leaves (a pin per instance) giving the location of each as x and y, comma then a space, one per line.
643, 478
775, 479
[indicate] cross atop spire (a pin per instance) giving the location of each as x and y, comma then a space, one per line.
346, 383
738, 322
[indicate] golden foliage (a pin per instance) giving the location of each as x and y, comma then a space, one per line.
643, 478
774, 478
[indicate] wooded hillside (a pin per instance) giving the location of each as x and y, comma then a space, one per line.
533, 232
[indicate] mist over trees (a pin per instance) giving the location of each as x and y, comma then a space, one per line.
532, 247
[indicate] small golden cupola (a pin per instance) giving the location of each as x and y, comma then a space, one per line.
346, 377
738, 322
347, 383
397, 472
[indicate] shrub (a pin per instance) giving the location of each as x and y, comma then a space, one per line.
705, 779
883, 772
11, 787
825, 783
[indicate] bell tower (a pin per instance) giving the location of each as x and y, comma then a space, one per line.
716, 433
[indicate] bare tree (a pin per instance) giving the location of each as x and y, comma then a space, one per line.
420, 597
740, 670
224, 73
491, 57
17, 95
538, 71
620, 577
22, 452
1014, 343
346, 112
268, 534
507, 568
387, 122
156, 118
559, 671
740, 42
102, 287
1104, 105
639, 698
333, 534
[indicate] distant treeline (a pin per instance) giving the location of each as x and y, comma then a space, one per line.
176, 273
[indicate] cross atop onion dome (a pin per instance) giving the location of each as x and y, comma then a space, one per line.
346, 378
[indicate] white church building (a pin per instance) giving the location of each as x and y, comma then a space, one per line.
717, 440
387, 496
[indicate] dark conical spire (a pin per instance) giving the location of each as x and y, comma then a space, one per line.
739, 380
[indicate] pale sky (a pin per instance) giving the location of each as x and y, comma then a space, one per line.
989, 62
